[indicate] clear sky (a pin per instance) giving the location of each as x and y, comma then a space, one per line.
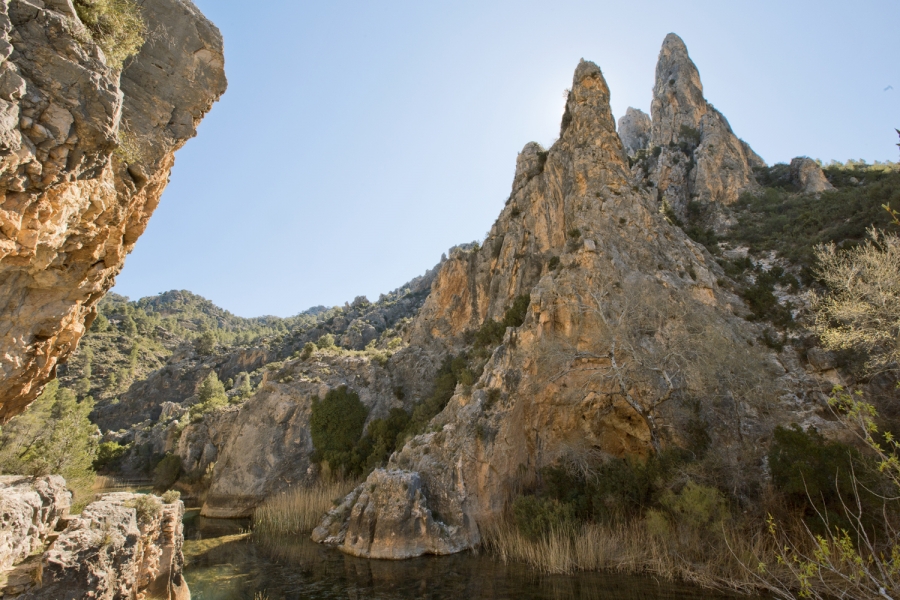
360, 140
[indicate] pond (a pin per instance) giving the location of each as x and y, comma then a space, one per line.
224, 562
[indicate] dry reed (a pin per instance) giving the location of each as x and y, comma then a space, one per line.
709, 559
299, 509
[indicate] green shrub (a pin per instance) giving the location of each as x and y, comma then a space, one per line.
383, 436
53, 437
171, 496
697, 507
146, 507
210, 396
336, 426
309, 349
109, 454
554, 263
205, 344
794, 224
167, 472
100, 324
619, 488
325, 342
689, 135
817, 476
535, 517
761, 299
115, 25
444, 385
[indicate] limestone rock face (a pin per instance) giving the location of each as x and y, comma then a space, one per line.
700, 158
264, 446
626, 322
807, 175
387, 516
113, 550
634, 130
30, 508
70, 207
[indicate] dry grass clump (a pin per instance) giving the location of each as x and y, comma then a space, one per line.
115, 25
299, 509
709, 560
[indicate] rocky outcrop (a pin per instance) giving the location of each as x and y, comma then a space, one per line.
696, 157
30, 508
808, 177
634, 131
121, 546
264, 446
85, 153
387, 516
626, 324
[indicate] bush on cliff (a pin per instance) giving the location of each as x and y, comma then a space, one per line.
336, 426
115, 25
210, 396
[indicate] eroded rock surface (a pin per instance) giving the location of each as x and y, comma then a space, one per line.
807, 175
387, 516
696, 157
264, 446
30, 508
634, 130
123, 545
71, 207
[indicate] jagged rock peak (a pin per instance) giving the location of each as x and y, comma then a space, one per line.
634, 130
700, 158
588, 100
529, 163
677, 94
807, 175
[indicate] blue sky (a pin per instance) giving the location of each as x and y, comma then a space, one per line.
360, 140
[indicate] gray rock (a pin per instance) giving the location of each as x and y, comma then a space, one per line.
30, 507
113, 551
634, 130
700, 159
820, 360
387, 516
807, 175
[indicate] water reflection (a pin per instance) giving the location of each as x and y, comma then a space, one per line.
226, 564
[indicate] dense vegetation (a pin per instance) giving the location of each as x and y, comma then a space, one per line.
53, 437
794, 224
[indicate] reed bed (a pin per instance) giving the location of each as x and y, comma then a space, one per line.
715, 560
299, 509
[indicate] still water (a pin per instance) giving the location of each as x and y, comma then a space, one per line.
225, 563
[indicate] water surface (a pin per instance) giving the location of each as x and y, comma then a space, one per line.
226, 563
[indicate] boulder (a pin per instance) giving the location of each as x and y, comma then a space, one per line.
807, 175
387, 516
30, 508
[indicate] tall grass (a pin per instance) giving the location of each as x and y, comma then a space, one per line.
299, 509
712, 560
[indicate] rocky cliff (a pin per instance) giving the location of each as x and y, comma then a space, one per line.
30, 508
629, 336
691, 154
121, 546
85, 154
